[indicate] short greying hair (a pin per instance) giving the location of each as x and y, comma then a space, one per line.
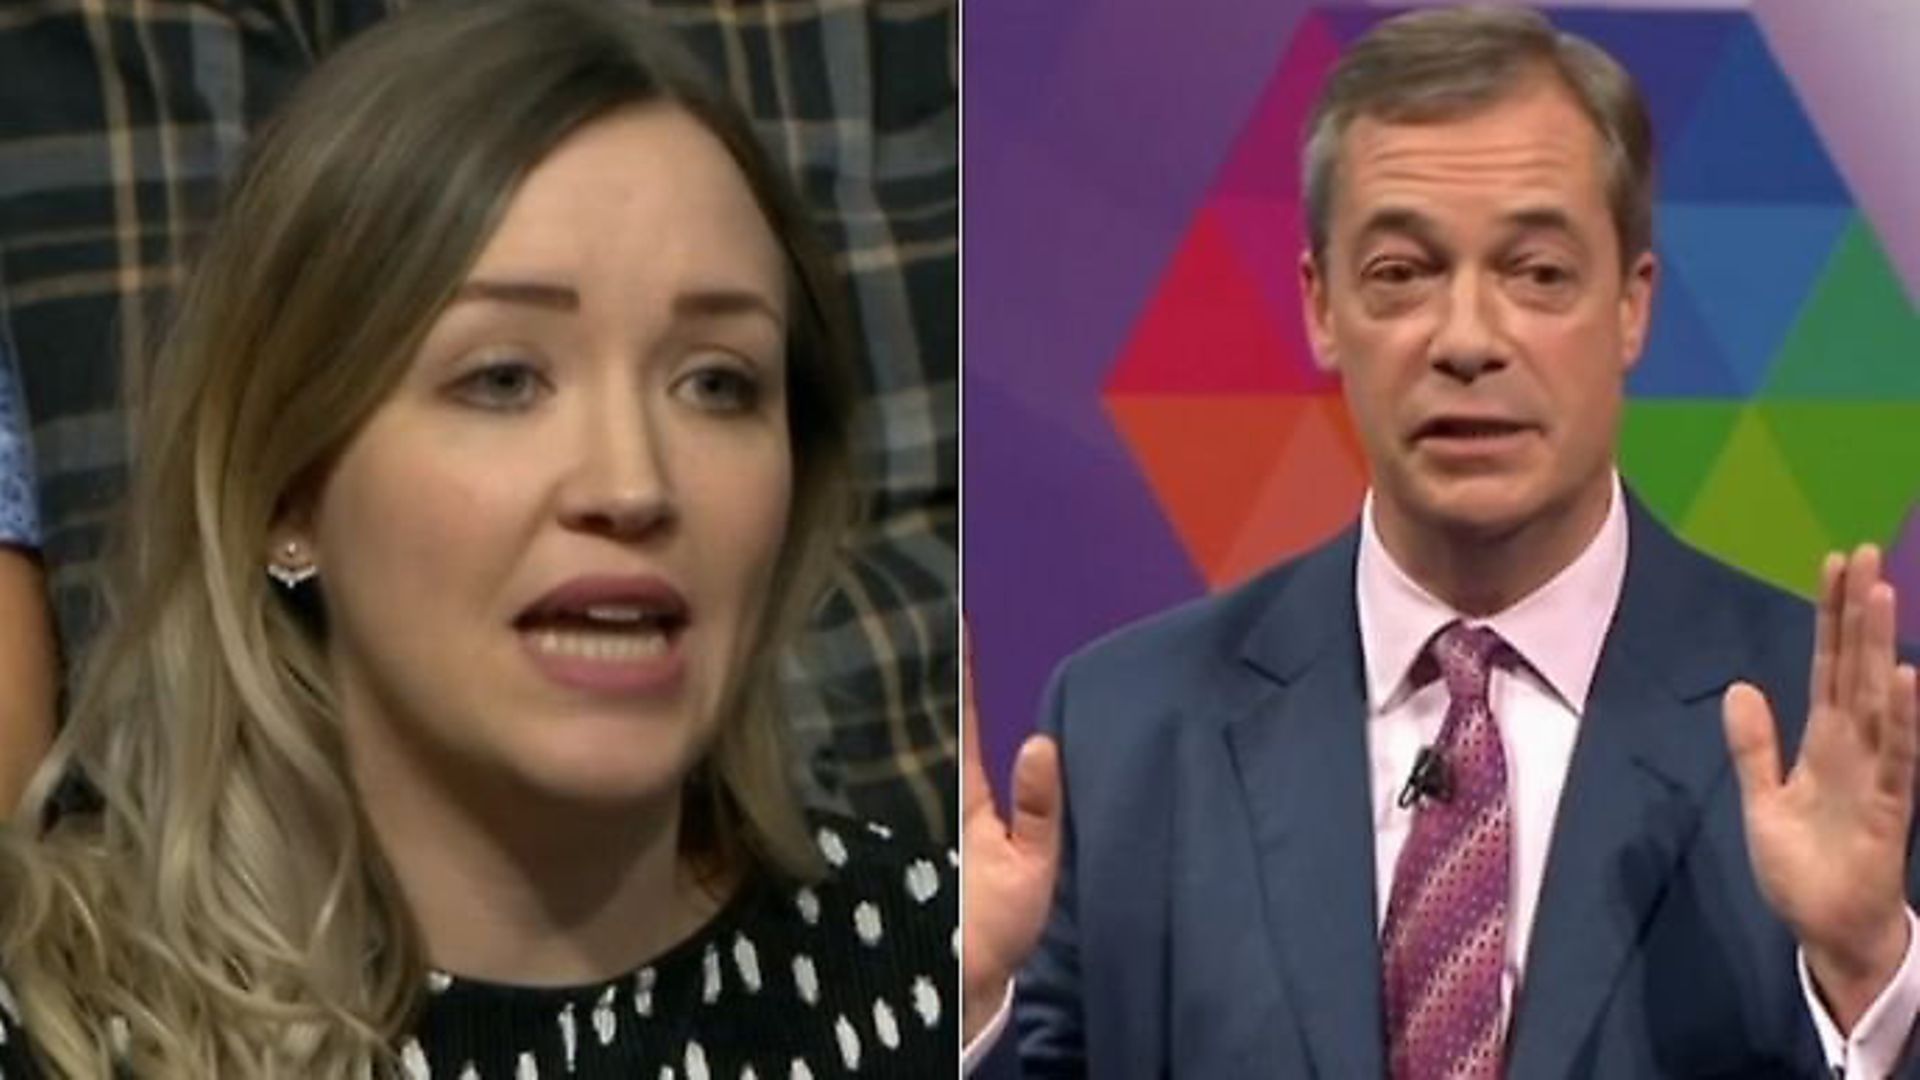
1441, 64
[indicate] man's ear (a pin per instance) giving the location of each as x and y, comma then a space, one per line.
1636, 307
1316, 311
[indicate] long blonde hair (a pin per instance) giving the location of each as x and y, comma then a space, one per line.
224, 911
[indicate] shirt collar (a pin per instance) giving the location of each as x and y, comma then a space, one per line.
1558, 629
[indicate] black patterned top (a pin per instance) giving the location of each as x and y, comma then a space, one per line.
856, 975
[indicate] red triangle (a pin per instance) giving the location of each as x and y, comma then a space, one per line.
1205, 457
1312, 492
1207, 329
1269, 237
1264, 160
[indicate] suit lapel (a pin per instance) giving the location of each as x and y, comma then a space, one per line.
1649, 753
1296, 733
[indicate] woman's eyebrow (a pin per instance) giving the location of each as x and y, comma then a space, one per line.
727, 301
546, 294
716, 302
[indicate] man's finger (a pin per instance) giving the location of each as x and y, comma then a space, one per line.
1900, 740
1752, 743
1037, 799
1826, 629
1863, 573
1877, 667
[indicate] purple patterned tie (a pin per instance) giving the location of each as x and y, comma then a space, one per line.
1445, 939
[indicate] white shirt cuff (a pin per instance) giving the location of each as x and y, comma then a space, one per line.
989, 1036
1871, 1051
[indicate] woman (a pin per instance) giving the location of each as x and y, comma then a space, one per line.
500, 441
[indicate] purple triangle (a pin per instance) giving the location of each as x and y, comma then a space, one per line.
1264, 160
1903, 569
1348, 23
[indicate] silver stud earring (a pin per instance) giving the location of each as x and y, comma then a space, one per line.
295, 570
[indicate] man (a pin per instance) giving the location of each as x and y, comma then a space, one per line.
1490, 785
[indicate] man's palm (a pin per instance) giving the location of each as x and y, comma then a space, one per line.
1829, 842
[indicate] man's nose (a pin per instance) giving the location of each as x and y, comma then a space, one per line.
1468, 343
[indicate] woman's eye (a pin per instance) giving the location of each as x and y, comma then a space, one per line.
720, 389
507, 385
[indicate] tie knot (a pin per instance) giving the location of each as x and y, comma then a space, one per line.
1465, 654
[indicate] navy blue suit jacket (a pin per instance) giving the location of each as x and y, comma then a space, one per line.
1215, 910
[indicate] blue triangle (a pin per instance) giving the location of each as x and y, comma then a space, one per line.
1669, 53
1682, 359
1751, 268
1748, 139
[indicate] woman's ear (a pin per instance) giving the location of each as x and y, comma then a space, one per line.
291, 559
292, 556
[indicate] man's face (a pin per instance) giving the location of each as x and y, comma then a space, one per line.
1472, 299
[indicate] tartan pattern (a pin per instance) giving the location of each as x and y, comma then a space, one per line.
119, 119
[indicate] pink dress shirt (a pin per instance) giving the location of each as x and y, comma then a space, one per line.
1559, 630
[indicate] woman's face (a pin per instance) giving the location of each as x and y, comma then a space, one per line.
546, 554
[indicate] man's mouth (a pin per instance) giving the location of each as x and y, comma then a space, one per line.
1469, 427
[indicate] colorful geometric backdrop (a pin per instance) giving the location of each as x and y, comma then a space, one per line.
1775, 414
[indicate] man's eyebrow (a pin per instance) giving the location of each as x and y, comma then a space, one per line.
1398, 220
1537, 218
545, 294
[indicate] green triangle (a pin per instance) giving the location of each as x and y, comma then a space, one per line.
1857, 465
1858, 336
1750, 512
1666, 448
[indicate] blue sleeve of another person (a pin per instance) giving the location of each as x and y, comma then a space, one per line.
19, 508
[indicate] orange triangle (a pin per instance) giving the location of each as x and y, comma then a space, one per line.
1340, 418
1208, 328
1205, 457
1312, 492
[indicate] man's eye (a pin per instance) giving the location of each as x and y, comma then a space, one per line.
1545, 275
720, 389
1393, 272
505, 385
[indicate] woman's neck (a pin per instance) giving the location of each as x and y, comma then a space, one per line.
506, 887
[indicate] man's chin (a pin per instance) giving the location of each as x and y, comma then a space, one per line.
1486, 508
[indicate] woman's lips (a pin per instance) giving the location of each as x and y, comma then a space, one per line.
609, 634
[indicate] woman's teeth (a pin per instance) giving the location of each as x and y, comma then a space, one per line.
640, 641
